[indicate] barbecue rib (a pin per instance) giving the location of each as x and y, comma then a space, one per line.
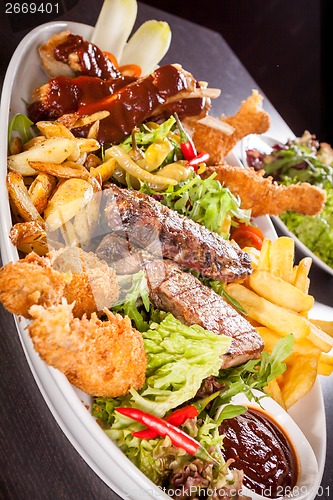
189, 300
148, 224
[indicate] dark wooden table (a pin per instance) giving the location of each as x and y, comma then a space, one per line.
36, 459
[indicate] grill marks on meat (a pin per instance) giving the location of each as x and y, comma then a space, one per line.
148, 224
182, 294
191, 302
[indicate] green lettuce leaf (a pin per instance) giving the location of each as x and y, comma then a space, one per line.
21, 124
205, 201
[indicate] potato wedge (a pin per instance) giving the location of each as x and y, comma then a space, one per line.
20, 199
26, 232
54, 129
55, 150
71, 196
279, 291
41, 189
66, 170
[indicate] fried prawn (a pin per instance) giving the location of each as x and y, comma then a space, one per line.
102, 358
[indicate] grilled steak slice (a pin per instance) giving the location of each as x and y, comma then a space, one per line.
118, 254
146, 223
173, 290
182, 294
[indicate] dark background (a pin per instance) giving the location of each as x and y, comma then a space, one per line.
285, 46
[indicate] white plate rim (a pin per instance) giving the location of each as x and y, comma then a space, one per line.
64, 402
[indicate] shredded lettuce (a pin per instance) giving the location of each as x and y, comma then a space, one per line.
205, 201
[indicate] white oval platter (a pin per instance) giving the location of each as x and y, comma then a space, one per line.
67, 404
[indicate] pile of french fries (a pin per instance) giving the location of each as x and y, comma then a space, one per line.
277, 301
54, 183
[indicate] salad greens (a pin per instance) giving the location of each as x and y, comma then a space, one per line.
21, 124
205, 201
304, 160
175, 372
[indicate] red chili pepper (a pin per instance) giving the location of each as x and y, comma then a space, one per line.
199, 158
186, 143
163, 428
177, 417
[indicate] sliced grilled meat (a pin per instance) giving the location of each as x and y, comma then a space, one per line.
146, 223
182, 294
189, 300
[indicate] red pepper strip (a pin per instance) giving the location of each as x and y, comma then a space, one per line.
177, 417
200, 158
186, 144
163, 428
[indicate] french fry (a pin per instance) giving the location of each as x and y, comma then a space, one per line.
274, 391
326, 326
301, 280
71, 196
55, 150
269, 336
320, 339
264, 261
41, 189
279, 291
19, 197
282, 258
268, 314
298, 379
325, 365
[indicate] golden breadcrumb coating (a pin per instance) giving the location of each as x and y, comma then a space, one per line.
264, 196
102, 358
71, 273
31, 281
249, 119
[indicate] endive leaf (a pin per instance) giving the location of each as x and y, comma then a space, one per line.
147, 46
114, 25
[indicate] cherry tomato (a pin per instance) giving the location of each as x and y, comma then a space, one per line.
248, 236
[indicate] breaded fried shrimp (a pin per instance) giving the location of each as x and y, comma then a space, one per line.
81, 277
102, 358
31, 281
264, 196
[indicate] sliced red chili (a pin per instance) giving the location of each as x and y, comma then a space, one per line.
199, 158
163, 429
186, 143
177, 417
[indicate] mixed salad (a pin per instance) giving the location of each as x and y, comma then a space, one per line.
303, 159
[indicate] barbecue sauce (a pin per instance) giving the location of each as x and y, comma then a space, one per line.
260, 448
91, 59
129, 101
